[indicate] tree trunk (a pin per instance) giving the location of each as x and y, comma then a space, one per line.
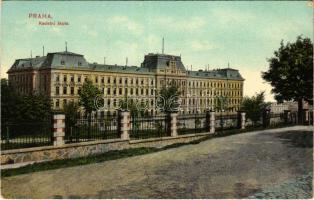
300, 111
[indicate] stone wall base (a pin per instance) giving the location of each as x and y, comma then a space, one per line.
47, 153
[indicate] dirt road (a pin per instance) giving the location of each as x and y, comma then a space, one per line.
230, 167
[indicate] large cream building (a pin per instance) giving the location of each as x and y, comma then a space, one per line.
61, 75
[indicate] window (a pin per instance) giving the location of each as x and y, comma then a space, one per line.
131, 91
114, 91
72, 78
57, 90
142, 91
64, 90
65, 78
102, 79
152, 92
57, 78
142, 82
126, 91
120, 80
108, 91
109, 80
126, 81
57, 103
85, 79
172, 64
79, 79
64, 102
79, 64
136, 91
152, 82
96, 79
79, 90
120, 91
72, 90
62, 62
114, 80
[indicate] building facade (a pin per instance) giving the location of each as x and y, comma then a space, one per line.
61, 75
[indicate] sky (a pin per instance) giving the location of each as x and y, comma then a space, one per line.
213, 33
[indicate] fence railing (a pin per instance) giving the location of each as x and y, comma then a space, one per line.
83, 128
226, 122
75, 129
25, 134
148, 127
197, 123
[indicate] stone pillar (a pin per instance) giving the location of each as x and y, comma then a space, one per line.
287, 116
305, 116
266, 118
173, 124
58, 129
124, 124
207, 125
212, 122
242, 120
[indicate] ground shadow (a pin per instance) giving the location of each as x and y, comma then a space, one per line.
300, 139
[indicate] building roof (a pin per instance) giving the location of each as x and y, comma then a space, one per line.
28, 63
226, 73
161, 61
152, 62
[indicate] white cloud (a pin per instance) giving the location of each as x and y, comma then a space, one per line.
197, 45
90, 32
231, 16
55, 30
126, 23
192, 24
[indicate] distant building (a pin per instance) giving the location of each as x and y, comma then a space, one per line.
289, 105
278, 107
61, 75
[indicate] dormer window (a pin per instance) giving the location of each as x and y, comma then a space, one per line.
172, 64
62, 62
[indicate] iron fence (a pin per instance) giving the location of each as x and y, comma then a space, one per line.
83, 128
254, 121
226, 122
196, 123
25, 134
149, 127
276, 119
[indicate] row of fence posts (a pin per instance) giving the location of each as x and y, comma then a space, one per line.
124, 123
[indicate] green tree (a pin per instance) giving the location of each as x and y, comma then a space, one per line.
291, 72
87, 98
136, 108
71, 111
9, 102
88, 95
168, 98
221, 104
254, 106
35, 107
20, 108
